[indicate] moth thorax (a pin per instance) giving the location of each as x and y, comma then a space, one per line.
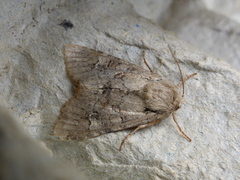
162, 97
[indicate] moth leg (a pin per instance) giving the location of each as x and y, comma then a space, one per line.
186, 78
135, 130
144, 60
180, 129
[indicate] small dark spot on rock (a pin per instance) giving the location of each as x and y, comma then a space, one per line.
66, 24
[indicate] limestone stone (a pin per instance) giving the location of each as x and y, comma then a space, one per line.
35, 84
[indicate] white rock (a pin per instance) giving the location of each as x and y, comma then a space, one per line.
34, 77
215, 34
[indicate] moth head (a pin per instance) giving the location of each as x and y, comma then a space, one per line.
162, 97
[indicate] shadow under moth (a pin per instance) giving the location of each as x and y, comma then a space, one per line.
111, 94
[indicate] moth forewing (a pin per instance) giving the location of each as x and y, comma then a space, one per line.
113, 95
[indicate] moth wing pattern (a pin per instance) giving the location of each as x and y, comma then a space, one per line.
105, 97
96, 69
86, 115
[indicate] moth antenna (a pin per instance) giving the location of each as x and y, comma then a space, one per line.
180, 129
144, 59
179, 69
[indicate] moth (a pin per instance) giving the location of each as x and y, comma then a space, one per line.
111, 94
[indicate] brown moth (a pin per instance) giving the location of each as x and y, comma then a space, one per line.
111, 94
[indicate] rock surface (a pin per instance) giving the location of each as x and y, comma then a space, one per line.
22, 158
211, 25
35, 84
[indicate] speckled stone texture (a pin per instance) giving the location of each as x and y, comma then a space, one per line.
35, 85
